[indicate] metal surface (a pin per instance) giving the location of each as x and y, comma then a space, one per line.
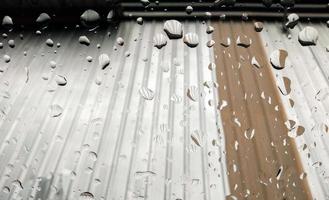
309, 74
110, 141
113, 143
68, 11
257, 15
253, 9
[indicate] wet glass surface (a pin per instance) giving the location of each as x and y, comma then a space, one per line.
164, 100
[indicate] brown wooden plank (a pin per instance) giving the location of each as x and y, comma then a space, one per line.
252, 98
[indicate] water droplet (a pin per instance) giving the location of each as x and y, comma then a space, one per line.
60, 80
191, 39
146, 93
279, 173
322, 94
237, 122
173, 28
196, 138
93, 155
6, 58
144, 174
193, 93
284, 85
120, 41
98, 80
51, 87
104, 60
84, 40
278, 58
254, 62
6, 189
90, 18
5, 94
226, 42
249, 134
308, 36
159, 40
139, 20
50, 42
17, 184
189, 9
209, 29
11, 43
302, 175
212, 66
292, 20
55, 110
43, 20
86, 196
52, 64
110, 16
7, 22
244, 16
243, 41
210, 43
258, 26
222, 105
89, 58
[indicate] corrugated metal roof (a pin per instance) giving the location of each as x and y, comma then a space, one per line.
309, 74
108, 140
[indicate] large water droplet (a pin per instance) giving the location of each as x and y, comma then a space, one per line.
7, 22
60, 80
104, 60
84, 40
43, 20
173, 28
50, 42
90, 18
191, 39
159, 40
308, 36
6, 58
278, 58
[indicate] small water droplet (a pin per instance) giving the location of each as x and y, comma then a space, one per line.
86, 196
55, 110
146, 93
84, 40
